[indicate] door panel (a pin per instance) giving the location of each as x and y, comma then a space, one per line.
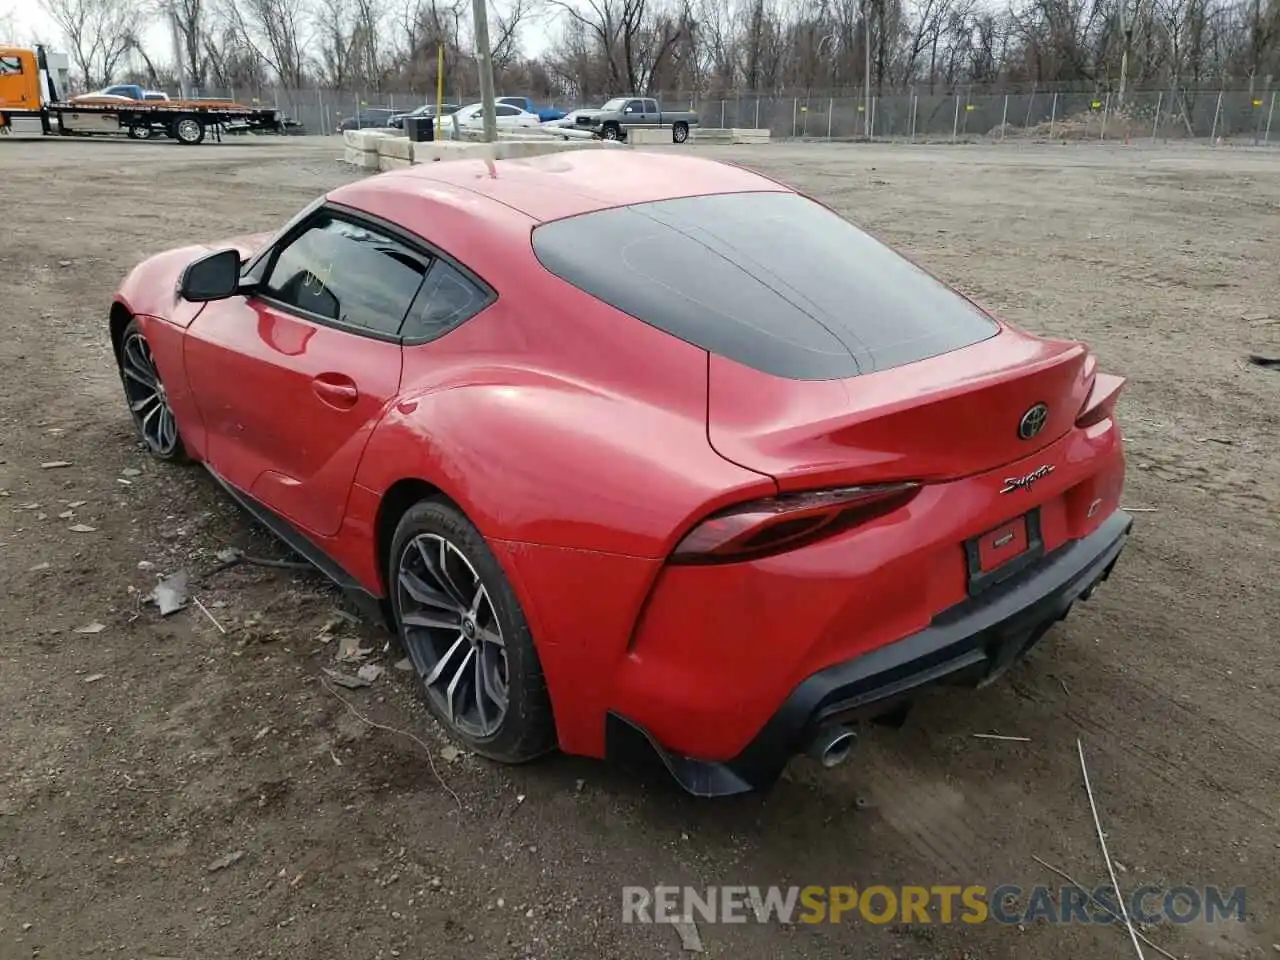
289, 404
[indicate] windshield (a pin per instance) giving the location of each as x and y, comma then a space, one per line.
617, 103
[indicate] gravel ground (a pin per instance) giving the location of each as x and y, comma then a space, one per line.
170, 790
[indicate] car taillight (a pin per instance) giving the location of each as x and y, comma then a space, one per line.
1101, 402
762, 527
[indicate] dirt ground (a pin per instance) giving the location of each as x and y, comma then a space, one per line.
137, 761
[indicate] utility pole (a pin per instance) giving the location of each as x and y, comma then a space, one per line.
866, 80
179, 58
1126, 32
485, 57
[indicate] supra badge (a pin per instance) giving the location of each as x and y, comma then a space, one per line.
1013, 484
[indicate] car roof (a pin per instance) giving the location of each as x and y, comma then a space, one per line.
573, 182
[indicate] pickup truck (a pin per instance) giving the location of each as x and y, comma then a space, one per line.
615, 118
529, 105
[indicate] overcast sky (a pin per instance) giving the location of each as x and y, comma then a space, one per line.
33, 22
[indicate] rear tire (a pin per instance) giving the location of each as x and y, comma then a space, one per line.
462, 627
188, 131
140, 133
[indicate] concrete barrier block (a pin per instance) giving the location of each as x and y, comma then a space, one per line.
393, 163
366, 139
400, 148
640, 137
362, 159
749, 135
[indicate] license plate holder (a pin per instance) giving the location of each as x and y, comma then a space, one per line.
999, 553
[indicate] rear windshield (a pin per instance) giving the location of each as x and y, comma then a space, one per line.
774, 281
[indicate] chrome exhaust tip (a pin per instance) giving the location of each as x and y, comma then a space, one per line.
832, 746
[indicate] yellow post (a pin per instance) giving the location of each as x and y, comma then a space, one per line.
439, 90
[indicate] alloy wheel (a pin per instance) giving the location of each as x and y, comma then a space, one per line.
148, 401
452, 634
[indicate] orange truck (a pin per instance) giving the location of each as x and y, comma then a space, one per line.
29, 91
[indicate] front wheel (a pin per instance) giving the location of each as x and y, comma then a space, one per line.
147, 398
466, 636
680, 133
140, 133
612, 131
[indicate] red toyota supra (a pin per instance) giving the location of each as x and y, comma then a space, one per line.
637, 450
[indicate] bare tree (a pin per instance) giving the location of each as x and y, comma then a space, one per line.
274, 31
99, 33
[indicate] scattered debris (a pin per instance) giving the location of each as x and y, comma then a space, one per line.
55, 464
404, 664
350, 651
261, 733
451, 754
76, 503
38, 567
94, 627
146, 565
1141, 509
81, 528
229, 557
435, 772
1226, 441
122, 480
170, 594
996, 736
66, 514
370, 672
1260, 361
346, 679
95, 677
690, 939
230, 860
130, 472
1111, 913
1102, 842
212, 618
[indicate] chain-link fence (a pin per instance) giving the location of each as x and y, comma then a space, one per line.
1226, 115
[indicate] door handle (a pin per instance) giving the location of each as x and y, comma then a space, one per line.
336, 390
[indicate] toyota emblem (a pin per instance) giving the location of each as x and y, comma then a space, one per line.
1033, 421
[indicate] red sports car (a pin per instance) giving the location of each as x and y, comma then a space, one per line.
636, 449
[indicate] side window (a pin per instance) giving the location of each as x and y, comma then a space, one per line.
506, 110
446, 299
348, 274
635, 106
651, 106
10, 66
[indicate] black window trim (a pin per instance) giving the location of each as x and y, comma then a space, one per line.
260, 266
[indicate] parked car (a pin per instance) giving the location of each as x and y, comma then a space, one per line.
615, 118
123, 91
426, 110
529, 105
367, 117
660, 454
507, 116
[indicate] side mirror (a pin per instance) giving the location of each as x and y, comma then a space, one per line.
215, 276
628, 110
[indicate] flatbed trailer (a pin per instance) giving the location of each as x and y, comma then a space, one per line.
186, 121
27, 90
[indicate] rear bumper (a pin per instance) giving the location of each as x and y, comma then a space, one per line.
973, 642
